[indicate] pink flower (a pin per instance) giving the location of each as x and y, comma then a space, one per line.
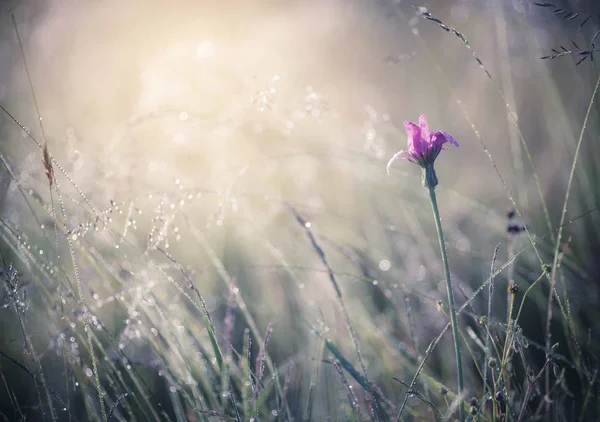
423, 146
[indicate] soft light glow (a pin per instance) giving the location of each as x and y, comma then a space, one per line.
205, 50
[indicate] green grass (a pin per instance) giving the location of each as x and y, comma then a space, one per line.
279, 274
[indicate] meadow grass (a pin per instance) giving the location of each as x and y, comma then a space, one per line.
319, 298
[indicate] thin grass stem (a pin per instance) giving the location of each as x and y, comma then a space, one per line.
559, 235
488, 319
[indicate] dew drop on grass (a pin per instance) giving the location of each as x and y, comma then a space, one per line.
384, 265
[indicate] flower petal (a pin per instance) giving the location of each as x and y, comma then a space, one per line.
440, 138
399, 154
450, 139
424, 127
415, 141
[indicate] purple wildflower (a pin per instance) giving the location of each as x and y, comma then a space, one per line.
423, 148
423, 145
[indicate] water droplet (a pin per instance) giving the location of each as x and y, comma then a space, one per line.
384, 265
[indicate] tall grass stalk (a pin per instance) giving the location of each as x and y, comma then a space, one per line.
47, 163
371, 396
489, 318
555, 263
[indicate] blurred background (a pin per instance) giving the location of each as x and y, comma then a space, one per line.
188, 135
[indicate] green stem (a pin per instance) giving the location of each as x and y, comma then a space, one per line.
455, 335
